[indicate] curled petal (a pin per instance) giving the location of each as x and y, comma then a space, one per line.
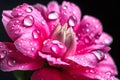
11, 59
104, 39
70, 13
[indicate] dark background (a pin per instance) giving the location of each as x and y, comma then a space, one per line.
105, 10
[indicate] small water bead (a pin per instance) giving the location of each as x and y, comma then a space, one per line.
72, 21
32, 49
36, 34
43, 22
3, 54
11, 62
108, 73
29, 9
53, 15
28, 21
65, 7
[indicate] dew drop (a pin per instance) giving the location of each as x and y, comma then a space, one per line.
72, 21
11, 62
99, 54
36, 34
87, 24
108, 73
86, 40
54, 49
32, 49
28, 21
3, 54
17, 31
64, 7
29, 9
53, 15
43, 22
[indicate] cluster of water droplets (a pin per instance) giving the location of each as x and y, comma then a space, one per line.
10, 61
3, 54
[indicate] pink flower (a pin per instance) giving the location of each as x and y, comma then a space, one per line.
73, 48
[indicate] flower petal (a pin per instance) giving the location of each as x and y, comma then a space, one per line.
25, 18
53, 14
88, 31
42, 9
104, 70
104, 39
70, 13
28, 46
86, 60
11, 59
47, 74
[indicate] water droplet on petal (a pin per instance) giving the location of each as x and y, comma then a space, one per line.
32, 49
99, 54
3, 54
65, 7
11, 62
108, 73
36, 34
54, 49
53, 15
43, 22
28, 21
72, 21
29, 9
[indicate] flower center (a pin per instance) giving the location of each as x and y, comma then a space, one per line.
61, 43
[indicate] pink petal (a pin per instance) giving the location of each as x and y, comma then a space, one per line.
53, 61
88, 31
86, 60
104, 70
42, 9
104, 39
70, 13
53, 14
6, 17
47, 74
11, 59
29, 46
25, 19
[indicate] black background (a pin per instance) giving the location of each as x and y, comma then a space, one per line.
105, 10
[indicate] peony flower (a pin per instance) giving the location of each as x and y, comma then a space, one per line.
56, 43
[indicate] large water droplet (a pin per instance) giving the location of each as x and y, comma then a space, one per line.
3, 54
29, 9
53, 15
28, 21
99, 54
36, 34
11, 62
72, 21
